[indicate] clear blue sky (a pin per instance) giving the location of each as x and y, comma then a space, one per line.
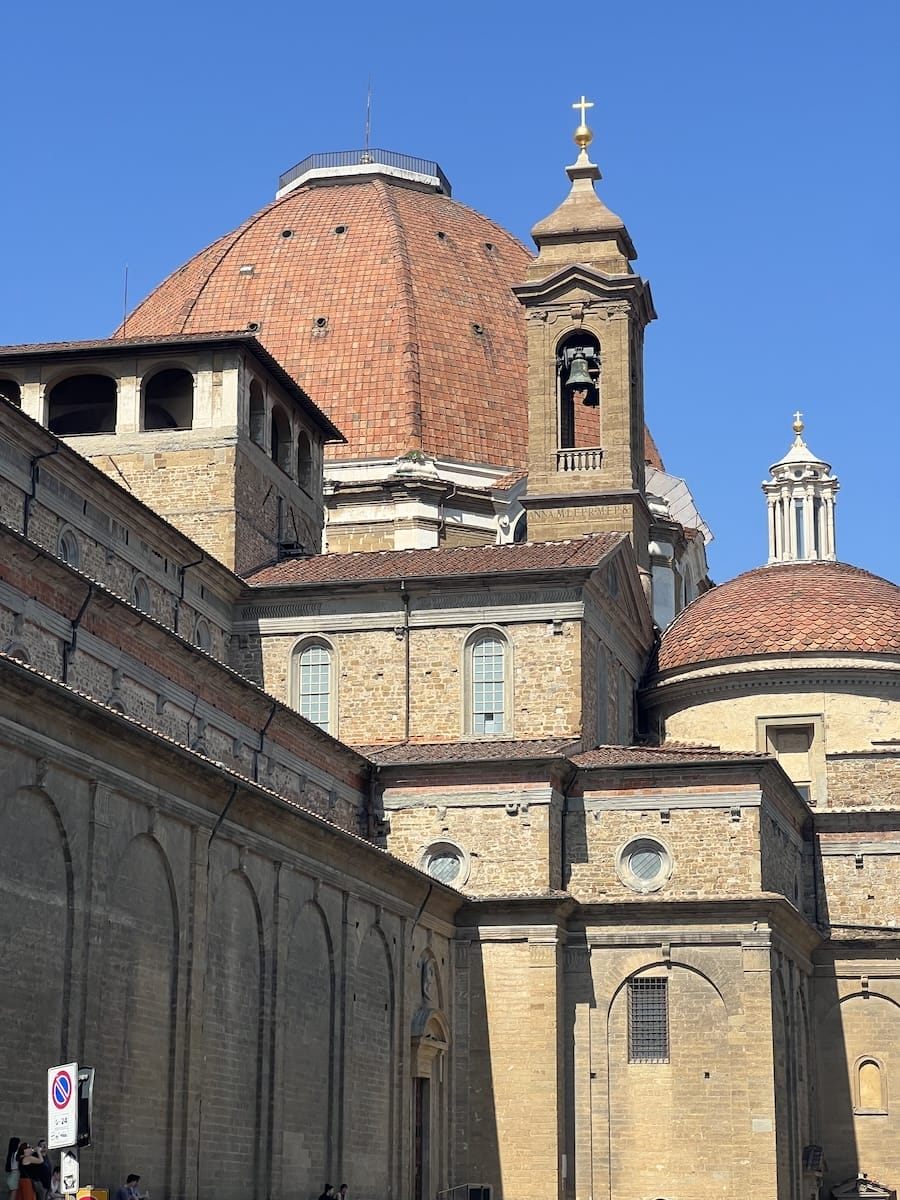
750, 148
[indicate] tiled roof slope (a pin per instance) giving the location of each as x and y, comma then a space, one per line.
369, 565
424, 342
666, 755
790, 608
424, 345
409, 753
505, 750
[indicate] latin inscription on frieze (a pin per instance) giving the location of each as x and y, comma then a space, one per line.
482, 599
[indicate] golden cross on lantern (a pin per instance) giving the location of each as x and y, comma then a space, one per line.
583, 104
798, 417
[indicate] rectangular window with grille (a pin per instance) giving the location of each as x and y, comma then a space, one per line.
648, 1020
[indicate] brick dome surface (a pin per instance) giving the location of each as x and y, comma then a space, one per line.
794, 608
390, 305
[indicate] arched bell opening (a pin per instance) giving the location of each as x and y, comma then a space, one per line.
169, 400
82, 404
578, 397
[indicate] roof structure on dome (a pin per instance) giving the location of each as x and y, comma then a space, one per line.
789, 609
444, 562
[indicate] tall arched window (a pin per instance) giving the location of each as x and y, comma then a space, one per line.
257, 413
313, 683
281, 439
487, 679
304, 460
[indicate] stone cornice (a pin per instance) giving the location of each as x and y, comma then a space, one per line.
787, 673
557, 287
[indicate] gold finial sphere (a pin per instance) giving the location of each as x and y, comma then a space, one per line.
583, 137
798, 423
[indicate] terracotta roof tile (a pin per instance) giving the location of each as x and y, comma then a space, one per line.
461, 752
410, 753
666, 755
581, 553
424, 341
790, 608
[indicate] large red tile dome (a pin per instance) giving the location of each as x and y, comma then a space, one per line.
789, 608
387, 301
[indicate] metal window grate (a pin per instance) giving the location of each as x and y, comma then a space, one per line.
315, 685
487, 686
648, 1020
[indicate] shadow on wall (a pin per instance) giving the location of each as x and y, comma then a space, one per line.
474, 1156
857, 1025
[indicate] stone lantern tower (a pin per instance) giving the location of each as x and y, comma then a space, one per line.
801, 497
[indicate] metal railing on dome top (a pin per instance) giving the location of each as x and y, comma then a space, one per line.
362, 158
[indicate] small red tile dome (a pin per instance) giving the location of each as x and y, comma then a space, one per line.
789, 608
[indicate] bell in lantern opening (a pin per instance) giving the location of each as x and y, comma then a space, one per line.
580, 381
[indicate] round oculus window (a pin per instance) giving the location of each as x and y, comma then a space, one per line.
644, 864
446, 862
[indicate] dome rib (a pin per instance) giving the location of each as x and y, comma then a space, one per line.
411, 374
787, 609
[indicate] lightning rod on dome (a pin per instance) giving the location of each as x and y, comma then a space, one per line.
365, 153
125, 302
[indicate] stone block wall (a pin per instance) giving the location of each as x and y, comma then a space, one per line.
118, 541
508, 1015
508, 835
706, 1108
371, 679
246, 991
864, 780
127, 664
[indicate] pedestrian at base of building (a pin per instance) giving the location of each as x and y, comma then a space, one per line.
12, 1167
129, 1189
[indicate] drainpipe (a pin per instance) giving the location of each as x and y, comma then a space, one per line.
29, 498
262, 737
179, 599
69, 647
374, 771
404, 596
